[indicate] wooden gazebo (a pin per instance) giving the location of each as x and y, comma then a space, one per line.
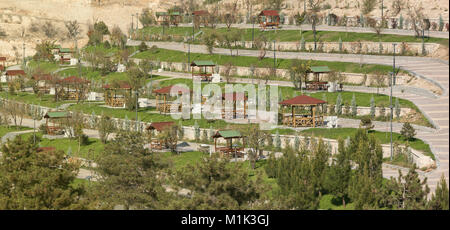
229, 135
316, 84
163, 106
115, 94
65, 55
203, 73
44, 82
158, 126
11, 75
57, 119
269, 18
200, 16
75, 88
304, 111
236, 98
168, 18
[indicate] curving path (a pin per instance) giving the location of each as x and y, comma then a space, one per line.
436, 109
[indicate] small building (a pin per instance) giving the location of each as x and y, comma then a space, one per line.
269, 18
164, 105
75, 88
202, 66
54, 122
230, 148
304, 111
159, 127
65, 55
236, 98
168, 18
12, 75
316, 84
200, 17
115, 94
44, 82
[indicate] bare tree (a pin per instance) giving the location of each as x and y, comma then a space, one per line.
397, 6
416, 16
15, 111
230, 15
314, 9
49, 30
368, 6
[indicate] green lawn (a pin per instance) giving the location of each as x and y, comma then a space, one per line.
45, 66
45, 100
180, 56
90, 151
383, 137
293, 35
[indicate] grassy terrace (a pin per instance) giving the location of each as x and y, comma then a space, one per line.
91, 150
383, 137
46, 100
180, 56
294, 35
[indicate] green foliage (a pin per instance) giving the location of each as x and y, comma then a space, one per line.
397, 108
298, 71
277, 140
146, 18
101, 27
408, 131
372, 107
340, 173
407, 192
339, 105
215, 184
354, 107
129, 175
439, 200
41, 180
105, 128
143, 47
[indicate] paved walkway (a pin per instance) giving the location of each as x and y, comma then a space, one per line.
436, 109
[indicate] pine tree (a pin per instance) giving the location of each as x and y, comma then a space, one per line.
441, 23
372, 107
408, 131
32, 180
339, 105
408, 192
296, 143
400, 24
340, 173
439, 200
180, 130
302, 44
197, 131
277, 140
354, 107
340, 45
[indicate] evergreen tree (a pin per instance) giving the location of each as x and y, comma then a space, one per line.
354, 107
340, 45
408, 192
340, 173
400, 24
129, 175
439, 200
180, 130
215, 184
339, 105
37, 180
372, 107
408, 131
277, 140
302, 44
296, 142
197, 131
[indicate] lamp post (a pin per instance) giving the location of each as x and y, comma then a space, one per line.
23, 47
132, 25
189, 55
390, 102
253, 30
382, 7
137, 21
274, 56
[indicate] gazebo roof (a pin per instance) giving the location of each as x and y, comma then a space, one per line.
269, 13
60, 114
203, 63
65, 50
161, 14
320, 69
167, 89
159, 126
15, 72
227, 134
45, 149
2, 58
200, 12
74, 80
43, 77
302, 100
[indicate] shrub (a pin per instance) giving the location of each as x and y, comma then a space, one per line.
408, 131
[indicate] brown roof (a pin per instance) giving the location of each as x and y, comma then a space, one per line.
302, 100
74, 80
2, 67
160, 125
2, 58
15, 72
45, 149
43, 77
167, 89
269, 13
122, 85
235, 94
200, 12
